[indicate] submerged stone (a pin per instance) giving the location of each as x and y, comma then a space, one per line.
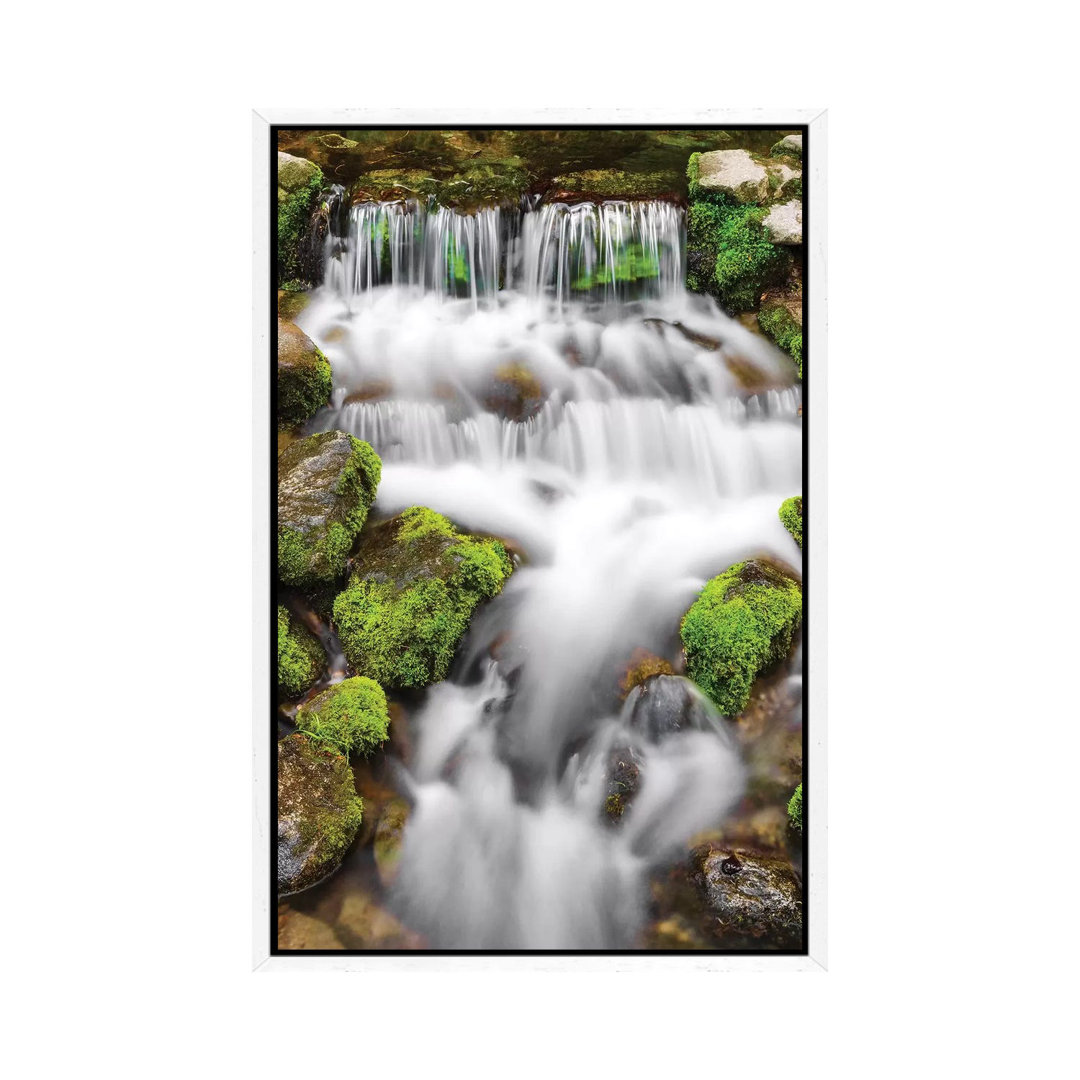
515, 393
326, 483
304, 379
409, 601
623, 779
319, 813
741, 624
663, 704
301, 660
389, 836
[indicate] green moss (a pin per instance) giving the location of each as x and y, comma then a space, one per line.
792, 516
300, 657
349, 717
795, 810
728, 253
740, 625
303, 389
294, 214
782, 327
309, 559
627, 264
401, 624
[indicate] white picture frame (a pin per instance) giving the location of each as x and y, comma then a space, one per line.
815, 559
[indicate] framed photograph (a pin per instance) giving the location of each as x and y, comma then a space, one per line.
539, 592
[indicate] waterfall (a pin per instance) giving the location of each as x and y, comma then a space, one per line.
538, 372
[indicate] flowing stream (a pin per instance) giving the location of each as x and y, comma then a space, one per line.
646, 461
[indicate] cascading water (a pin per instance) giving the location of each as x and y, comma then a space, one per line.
662, 438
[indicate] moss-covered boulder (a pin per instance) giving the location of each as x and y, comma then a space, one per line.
304, 379
326, 483
319, 813
515, 393
299, 184
792, 517
740, 625
781, 315
790, 145
753, 898
795, 810
301, 660
350, 717
416, 584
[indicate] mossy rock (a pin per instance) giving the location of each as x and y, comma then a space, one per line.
741, 624
350, 717
622, 780
795, 810
301, 660
791, 515
641, 666
291, 302
728, 251
326, 483
410, 599
515, 393
789, 145
319, 813
780, 317
304, 379
299, 184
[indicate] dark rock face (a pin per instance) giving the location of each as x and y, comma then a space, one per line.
319, 813
326, 483
664, 704
752, 898
624, 776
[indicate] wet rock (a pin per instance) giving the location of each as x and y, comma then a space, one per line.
515, 393
389, 836
740, 626
734, 173
304, 379
301, 660
623, 780
326, 483
300, 227
415, 585
784, 222
664, 704
752, 898
319, 813
789, 144
641, 666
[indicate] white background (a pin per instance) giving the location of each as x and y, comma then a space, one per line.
952, 402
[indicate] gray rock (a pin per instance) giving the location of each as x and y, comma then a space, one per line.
294, 173
789, 144
664, 704
734, 173
784, 222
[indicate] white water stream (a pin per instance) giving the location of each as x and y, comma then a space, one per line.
647, 470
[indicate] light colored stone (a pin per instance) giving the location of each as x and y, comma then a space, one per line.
789, 144
784, 222
734, 173
294, 173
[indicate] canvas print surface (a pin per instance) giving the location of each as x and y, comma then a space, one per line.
538, 570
